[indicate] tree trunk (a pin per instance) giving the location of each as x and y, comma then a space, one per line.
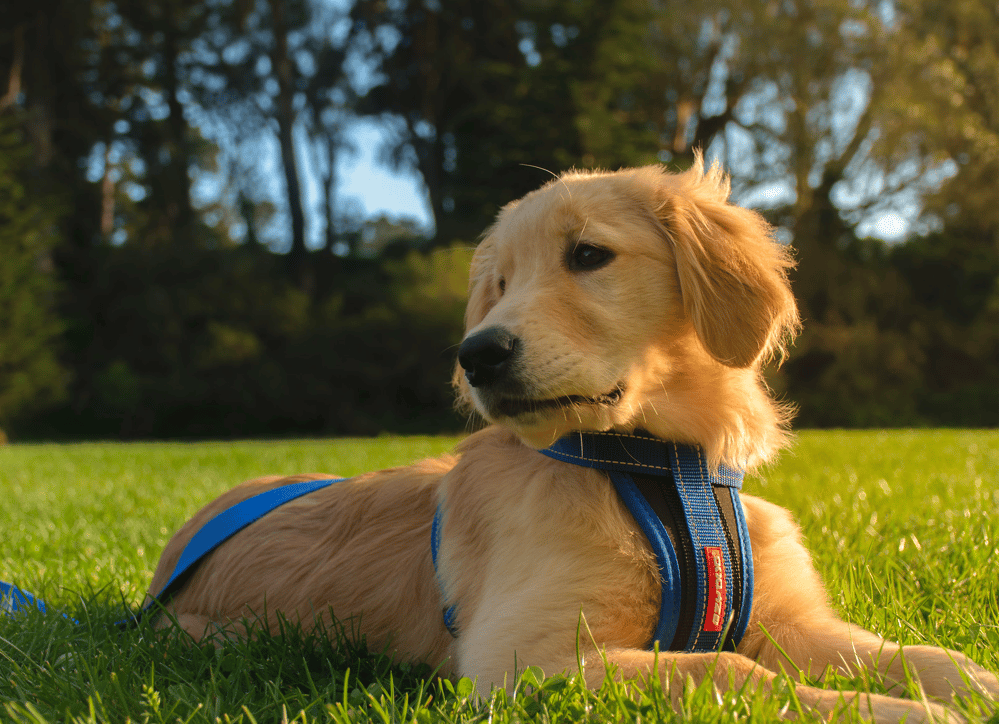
179, 212
330, 196
282, 64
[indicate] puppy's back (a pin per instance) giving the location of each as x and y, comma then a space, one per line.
359, 549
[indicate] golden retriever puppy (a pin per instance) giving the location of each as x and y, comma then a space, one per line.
634, 300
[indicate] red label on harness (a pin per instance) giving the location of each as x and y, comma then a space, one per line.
715, 606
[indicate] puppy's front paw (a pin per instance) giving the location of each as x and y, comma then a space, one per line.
949, 675
977, 682
971, 680
982, 682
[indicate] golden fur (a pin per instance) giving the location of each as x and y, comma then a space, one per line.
676, 325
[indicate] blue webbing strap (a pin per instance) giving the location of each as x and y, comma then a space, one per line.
209, 537
666, 556
638, 453
610, 451
449, 611
13, 599
739, 625
621, 455
230, 522
705, 526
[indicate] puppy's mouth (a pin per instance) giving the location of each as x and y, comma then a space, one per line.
517, 406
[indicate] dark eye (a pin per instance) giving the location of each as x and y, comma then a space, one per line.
589, 257
502, 284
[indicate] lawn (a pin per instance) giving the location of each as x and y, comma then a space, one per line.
902, 524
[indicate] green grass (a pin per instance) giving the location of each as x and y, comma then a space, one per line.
902, 525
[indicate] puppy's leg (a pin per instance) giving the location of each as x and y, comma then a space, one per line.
726, 670
495, 641
194, 625
733, 671
803, 633
203, 628
942, 673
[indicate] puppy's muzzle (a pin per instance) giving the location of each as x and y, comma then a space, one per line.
486, 355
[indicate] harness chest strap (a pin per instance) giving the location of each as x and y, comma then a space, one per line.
693, 520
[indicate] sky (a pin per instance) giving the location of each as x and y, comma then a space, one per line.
382, 191
374, 189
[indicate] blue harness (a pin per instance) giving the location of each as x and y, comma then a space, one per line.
693, 520
209, 537
691, 516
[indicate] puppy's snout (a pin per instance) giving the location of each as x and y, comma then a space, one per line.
485, 355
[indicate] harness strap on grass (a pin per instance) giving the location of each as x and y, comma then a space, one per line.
13, 599
227, 524
209, 537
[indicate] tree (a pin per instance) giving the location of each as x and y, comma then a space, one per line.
274, 70
477, 93
828, 113
30, 373
940, 104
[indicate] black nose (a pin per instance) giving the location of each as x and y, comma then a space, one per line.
484, 356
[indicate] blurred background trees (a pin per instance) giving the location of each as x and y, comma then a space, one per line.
179, 257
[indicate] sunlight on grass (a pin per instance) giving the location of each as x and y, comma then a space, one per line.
902, 525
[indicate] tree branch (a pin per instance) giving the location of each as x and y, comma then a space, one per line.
16, 67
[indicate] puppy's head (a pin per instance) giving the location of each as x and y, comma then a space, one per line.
607, 300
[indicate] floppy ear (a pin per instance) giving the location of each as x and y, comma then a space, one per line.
733, 275
482, 287
482, 298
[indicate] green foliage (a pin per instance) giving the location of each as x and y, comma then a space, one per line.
30, 374
909, 336
902, 526
942, 102
221, 342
